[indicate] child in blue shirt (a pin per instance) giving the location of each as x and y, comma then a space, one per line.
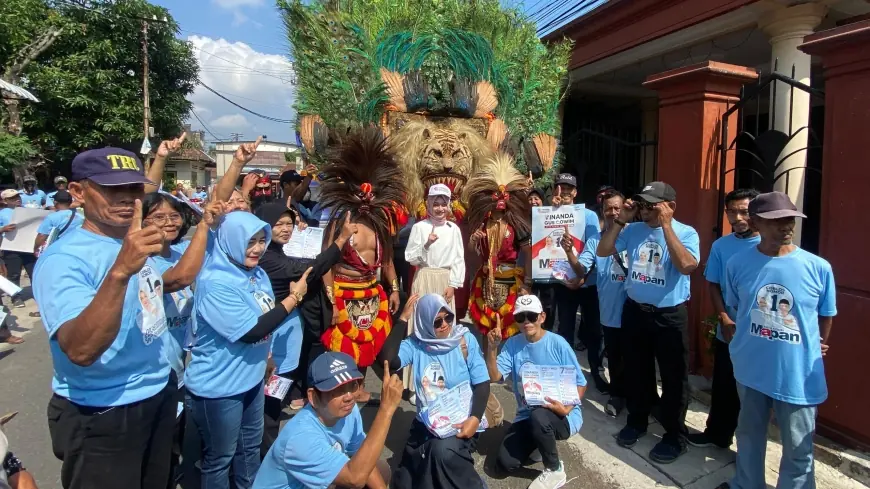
440, 349
325, 445
785, 300
535, 427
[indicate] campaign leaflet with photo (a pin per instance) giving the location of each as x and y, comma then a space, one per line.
548, 225
452, 407
304, 244
278, 387
555, 382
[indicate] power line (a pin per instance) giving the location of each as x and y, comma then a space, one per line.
291, 81
206, 127
567, 16
273, 119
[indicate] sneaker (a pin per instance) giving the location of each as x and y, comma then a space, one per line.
666, 452
701, 440
614, 406
413, 398
17, 303
601, 385
628, 436
550, 479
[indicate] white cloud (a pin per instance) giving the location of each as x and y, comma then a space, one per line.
255, 80
229, 121
231, 4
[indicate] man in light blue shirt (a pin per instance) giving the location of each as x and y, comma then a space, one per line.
60, 184
103, 309
325, 445
725, 404
661, 253
63, 219
30, 195
16, 261
785, 300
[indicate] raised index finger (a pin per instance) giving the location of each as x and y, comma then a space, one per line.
136, 223
257, 142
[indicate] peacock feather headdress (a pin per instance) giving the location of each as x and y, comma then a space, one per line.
358, 60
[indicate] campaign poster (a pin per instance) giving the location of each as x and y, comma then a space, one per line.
549, 260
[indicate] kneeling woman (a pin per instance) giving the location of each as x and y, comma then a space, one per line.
444, 355
234, 316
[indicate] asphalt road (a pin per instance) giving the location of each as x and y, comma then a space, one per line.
26, 369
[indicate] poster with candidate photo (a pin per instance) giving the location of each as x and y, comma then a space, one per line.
549, 260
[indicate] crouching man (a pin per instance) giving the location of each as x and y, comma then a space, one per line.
325, 445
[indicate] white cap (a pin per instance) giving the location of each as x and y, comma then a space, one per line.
440, 189
8, 193
528, 303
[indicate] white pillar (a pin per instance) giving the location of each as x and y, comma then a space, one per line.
786, 27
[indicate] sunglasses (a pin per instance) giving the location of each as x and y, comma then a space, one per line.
448, 319
642, 204
522, 317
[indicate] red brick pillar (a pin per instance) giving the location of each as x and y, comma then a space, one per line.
845, 226
692, 100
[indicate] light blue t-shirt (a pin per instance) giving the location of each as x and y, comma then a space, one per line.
551, 350
36, 200
134, 367
287, 343
611, 282
435, 372
200, 195
5, 217
58, 220
652, 277
178, 306
308, 454
721, 251
777, 349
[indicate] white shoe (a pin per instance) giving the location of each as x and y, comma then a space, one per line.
550, 479
412, 398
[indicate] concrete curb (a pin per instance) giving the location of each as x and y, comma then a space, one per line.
851, 463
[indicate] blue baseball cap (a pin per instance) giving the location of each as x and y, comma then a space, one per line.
109, 167
332, 369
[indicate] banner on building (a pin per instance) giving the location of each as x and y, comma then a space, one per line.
548, 226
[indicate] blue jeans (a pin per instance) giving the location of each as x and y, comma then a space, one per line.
231, 429
797, 424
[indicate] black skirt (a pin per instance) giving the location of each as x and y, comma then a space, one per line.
429, 462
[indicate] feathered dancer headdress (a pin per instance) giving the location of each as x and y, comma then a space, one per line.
360, 176
499, 186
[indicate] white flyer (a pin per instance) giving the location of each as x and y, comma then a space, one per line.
563, 272
27, 222
451, 407
548, 226
278, 387
304, 244
555, 382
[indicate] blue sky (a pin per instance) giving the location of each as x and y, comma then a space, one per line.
242, 49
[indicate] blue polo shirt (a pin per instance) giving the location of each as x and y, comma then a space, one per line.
652, 278
611, 282
134, 367
722, 251
777, 347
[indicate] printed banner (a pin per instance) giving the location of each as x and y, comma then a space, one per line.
549, 261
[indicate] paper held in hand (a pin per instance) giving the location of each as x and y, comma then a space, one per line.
555, 382
450, 408
278, 387
27, 223
304, 244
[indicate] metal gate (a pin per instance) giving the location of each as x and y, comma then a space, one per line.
620, 158
758, 146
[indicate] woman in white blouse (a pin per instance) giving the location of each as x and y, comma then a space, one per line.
436, 248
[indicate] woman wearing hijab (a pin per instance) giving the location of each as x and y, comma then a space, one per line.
302, 329
234, 315
440, 348
436, 248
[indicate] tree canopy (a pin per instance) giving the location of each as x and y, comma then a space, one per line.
89, 79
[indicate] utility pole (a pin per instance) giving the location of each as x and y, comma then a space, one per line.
236, 135
146, 100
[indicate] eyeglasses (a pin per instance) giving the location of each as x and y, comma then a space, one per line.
522, 317
161, 219
448, 319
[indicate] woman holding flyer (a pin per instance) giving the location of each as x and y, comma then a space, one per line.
438, 452
435, 247
550, 409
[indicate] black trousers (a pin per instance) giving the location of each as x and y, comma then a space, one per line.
586, 299
548, 303
657, 335
272, 408
614, 345
123, 447
17, 261
725, 403
429, 462
541, 431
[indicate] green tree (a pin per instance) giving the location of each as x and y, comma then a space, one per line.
89, 80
